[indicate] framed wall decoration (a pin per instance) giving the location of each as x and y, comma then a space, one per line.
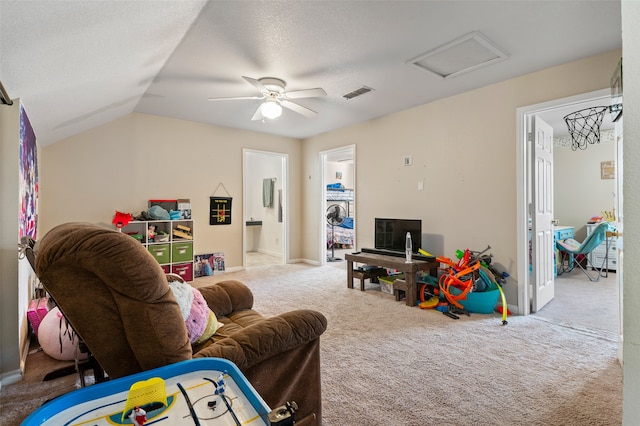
607, 170
616, 92
220, 211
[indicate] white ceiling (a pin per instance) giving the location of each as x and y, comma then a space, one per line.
79, 64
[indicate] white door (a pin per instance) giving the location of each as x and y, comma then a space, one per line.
542, 229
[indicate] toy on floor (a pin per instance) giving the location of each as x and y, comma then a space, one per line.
472, 273
57, 339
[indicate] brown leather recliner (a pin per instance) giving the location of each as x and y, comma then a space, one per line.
116, 297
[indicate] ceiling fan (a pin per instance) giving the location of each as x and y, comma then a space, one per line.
272, 90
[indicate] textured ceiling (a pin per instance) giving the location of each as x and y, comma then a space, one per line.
80, 64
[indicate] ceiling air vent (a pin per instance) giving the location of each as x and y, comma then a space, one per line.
358, 92
465, 54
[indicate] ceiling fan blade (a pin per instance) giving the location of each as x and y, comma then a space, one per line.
307, 93
298, 108
256, 84
258, 114
235, 98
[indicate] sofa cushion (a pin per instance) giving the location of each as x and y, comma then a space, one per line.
264, 338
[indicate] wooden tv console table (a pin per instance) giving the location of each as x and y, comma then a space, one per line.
397, 263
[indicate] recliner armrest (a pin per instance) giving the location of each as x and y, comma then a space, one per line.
268, 338
227, 296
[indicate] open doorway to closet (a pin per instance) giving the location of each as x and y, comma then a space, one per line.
264, 208
338, 203
581, 190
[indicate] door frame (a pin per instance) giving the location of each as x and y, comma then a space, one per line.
523, 179
284, 237
323, 202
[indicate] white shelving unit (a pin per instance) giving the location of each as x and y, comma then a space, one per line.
168, 241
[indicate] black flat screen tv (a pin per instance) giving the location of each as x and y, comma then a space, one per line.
390, 234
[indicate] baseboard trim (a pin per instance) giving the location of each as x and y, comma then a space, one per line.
270, 253
11, 377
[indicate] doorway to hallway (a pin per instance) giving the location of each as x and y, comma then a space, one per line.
264, 208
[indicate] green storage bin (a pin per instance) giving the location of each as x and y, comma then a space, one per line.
182, 252
162, 252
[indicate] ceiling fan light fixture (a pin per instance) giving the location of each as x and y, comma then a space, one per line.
271, 109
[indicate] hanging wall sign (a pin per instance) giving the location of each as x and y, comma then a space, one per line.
220, 211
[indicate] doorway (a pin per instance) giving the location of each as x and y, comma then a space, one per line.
264, 208
338, 230
553, 112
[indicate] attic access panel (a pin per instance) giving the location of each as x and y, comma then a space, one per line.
467, 53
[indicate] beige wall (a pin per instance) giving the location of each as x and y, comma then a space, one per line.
464, 148
121, 165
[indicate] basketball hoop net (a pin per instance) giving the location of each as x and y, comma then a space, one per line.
584, 126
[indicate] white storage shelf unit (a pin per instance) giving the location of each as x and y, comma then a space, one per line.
597, 256
173, 253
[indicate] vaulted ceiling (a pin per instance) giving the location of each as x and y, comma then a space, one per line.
79, 64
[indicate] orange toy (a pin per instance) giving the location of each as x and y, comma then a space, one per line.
463, 280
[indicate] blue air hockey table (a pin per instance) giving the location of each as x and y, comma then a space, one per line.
205, 391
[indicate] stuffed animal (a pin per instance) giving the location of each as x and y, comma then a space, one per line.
57, 339
199, 319
121, 219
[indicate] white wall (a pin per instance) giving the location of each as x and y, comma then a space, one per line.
345, 168
631, 237
463, 148
579, 192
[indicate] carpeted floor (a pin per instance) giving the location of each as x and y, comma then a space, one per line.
384, 363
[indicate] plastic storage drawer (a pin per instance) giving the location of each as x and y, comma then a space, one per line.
161, 252
182, 252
